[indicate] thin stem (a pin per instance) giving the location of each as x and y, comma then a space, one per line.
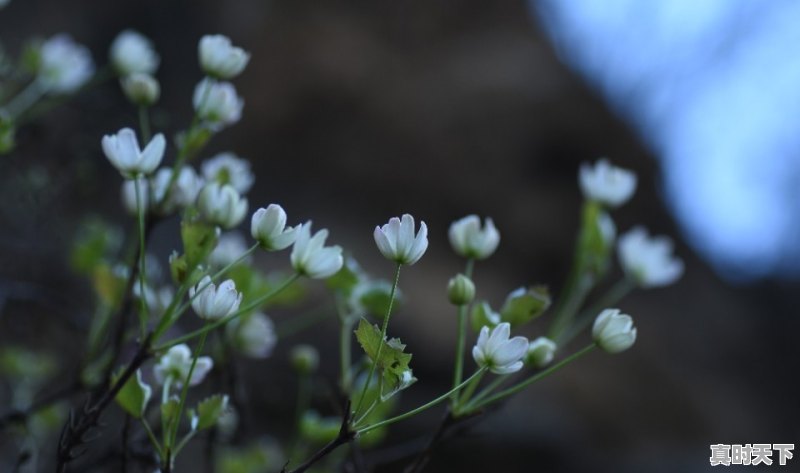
423, 407
185, 390
467, 394
152, 436
211, 326
617, 292
304, 389
144, 124
345, 355
383, 338
489, 388
142, 271
458, 371
524, 384
25, 99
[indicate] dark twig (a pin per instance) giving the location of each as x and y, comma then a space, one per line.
345, 436
448, 424
76, 429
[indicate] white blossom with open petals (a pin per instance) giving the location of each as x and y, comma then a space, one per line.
310, 257
64, 65
215, 302
227, 168
469, 240
606, 183
648, 260
494, 350
122, 149
221, 59
217, 104
397, 242
184, 190
176, 363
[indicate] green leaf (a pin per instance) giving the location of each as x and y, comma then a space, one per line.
524, 305
482, 315
392, 364
94, 242
134, 395
209, 411
373, 297
317, 429
347, 278
199, 239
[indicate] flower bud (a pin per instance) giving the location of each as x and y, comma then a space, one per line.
141, 89
540, 352
613, 331
460, 290
305, 359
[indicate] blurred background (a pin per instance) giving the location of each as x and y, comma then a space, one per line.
359, 111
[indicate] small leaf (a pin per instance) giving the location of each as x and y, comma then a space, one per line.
94, 241
392, 363
134, 395
523, 306
483, 316
199, 239
210, 409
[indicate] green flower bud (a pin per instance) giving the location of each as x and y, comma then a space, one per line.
460, 290
305, 359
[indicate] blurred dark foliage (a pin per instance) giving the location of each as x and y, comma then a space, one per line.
358, 111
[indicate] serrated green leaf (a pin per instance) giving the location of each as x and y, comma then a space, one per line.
523, 306
392, 365
134, 395
210, 409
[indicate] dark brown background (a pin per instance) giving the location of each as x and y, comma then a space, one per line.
358, 111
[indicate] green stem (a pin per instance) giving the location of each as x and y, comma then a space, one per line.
152, 437
211, 326
185, 389
25, 99
381, 343
143, 309
345, 355
467, 394
144, 124
423, 407
524, 384
616, 293
489, 389
458, 371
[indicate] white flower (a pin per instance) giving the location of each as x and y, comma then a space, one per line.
469, 241
648, 260
219, 58
268, 227
64, 65
606, 183
131, 53
613, 331
215, 302
253, 336
156, 300
217, 104
176, 363
230, 247
222, 205
540, 352
141, 88
497, 352
310, 257
124, 153
128, 192
397, 242
183, 193
227, 168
